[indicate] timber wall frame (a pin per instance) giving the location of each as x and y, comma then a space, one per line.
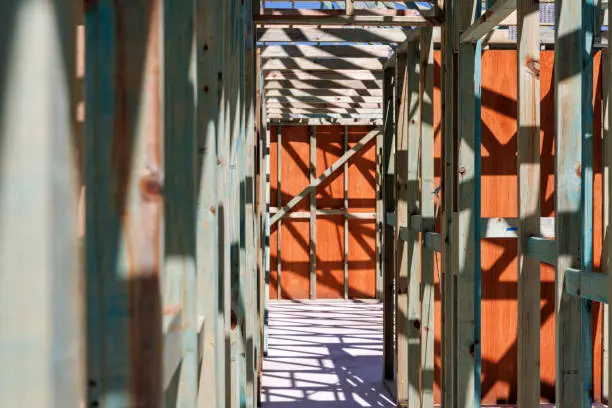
287, 211
564, 241
154, 299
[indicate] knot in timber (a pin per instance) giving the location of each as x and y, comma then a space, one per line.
150, 187
533, 66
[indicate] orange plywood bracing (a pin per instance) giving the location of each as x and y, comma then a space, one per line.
330, 230
362, 236
294, 233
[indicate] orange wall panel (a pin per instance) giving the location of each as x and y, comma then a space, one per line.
362, 260
330, 257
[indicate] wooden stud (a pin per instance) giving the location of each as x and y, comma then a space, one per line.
528, 162
607, 216
251, 8
349, 7
427, 215
448, 278
467, 222
313, 214
208, 117
346, 216
572, 320
389, 234
586, 209
380, 212
225, 208
124, 195
606, 247
179, 275
413, 202
406, 299
266, 235
41, 304
279, 195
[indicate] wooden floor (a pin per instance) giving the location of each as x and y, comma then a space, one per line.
324, 354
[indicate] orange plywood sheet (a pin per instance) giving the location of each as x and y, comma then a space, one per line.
330, 145
362, 260
295, 164
295, 274
330, 257
362, 173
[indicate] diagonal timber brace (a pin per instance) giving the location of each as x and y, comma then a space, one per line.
328, 172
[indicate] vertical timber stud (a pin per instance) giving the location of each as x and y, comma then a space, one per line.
346, 223
41, 334
586, 216
124, 214
407, 315
224, 206
249, 221
448, 281
389, 236
266, 234
607, 151
209, 116
313, 213
380, 214
605, 265
467, 218
349, 7
237, 183
427, 215
401, 218
279, 198
528, 162
178, 284
411, 193
573, 377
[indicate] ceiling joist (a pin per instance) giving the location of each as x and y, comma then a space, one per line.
324, 92
307, 105
323, 84
322, 34
326, 51
325, 99
353, 74
371, 64
285, 110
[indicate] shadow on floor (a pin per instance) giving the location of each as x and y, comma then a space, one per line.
324, 355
